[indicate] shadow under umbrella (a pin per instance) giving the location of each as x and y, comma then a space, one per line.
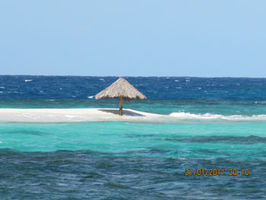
125, 112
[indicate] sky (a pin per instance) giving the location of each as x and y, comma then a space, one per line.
203, 38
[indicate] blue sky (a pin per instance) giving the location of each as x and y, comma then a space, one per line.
211, 38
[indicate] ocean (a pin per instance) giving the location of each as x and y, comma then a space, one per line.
219, 124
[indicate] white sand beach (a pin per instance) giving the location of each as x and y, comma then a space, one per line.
53, 115
73, 115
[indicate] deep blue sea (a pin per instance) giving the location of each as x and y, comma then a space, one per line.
220, 124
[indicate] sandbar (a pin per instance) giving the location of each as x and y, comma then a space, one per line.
73, 115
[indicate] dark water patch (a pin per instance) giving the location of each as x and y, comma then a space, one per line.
26, 132
116, 185
92, 175
140, 135
220, 139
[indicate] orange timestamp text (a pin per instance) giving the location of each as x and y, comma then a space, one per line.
216, 172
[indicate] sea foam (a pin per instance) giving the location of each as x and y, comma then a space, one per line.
217, 117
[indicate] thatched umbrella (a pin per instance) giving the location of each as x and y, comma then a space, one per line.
120, 89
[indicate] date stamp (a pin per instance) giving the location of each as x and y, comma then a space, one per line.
216, 172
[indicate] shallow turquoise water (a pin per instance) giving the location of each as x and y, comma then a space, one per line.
244, 140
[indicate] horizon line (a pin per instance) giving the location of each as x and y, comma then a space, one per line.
136, 76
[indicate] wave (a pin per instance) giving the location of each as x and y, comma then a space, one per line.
217, 117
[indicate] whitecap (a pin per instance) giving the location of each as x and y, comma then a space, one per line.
28, 80
90, 97
209, 116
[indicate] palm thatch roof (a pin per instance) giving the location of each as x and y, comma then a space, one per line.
121, 88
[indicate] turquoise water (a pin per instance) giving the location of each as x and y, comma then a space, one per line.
242, 140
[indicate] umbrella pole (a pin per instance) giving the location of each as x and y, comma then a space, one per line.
121, 106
